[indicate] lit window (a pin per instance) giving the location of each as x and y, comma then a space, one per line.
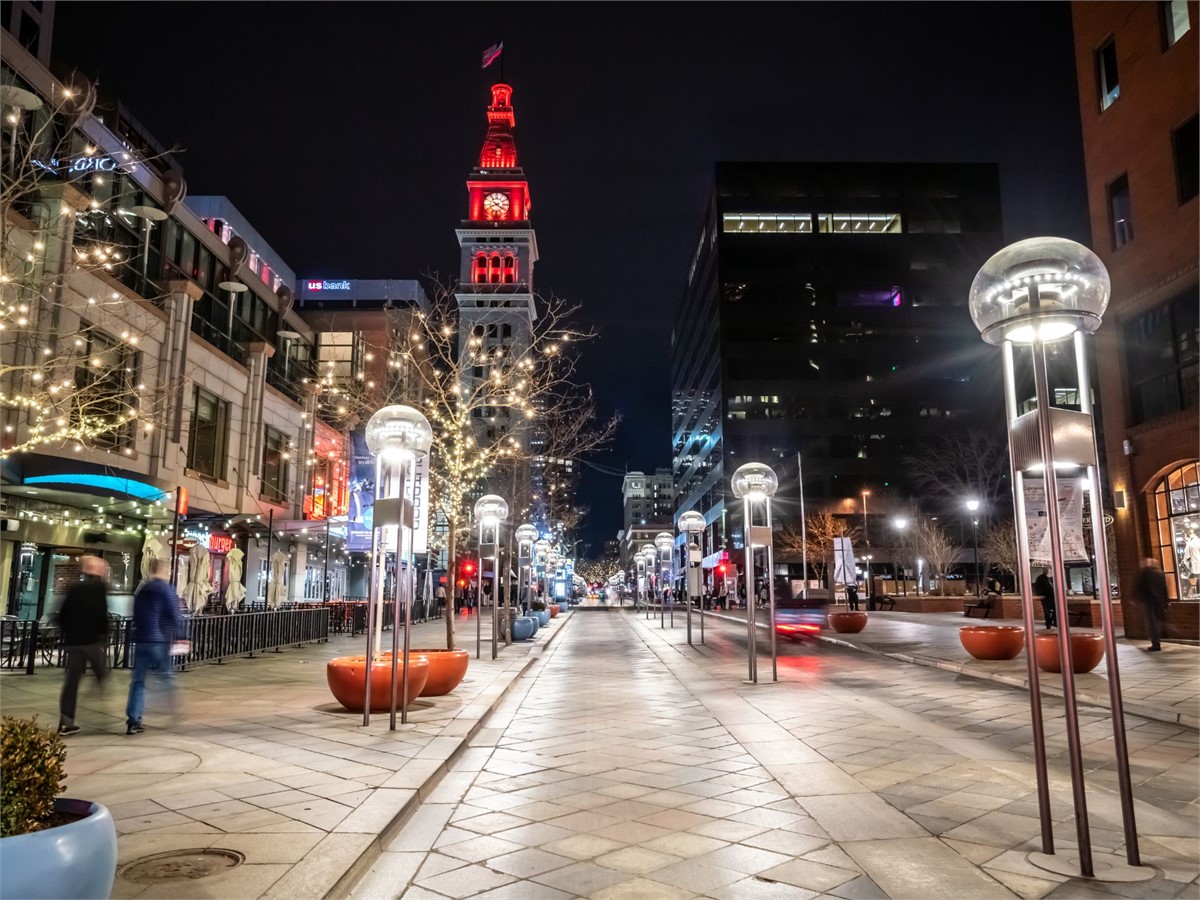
1174, 20
860, 223
1120, 214
1106, 74
767, 223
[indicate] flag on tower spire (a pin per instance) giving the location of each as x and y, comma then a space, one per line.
490, 54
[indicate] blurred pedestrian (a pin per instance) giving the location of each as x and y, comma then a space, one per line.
439, 601
1044, 588
1150, 590
852, 595
157, 623
83, 623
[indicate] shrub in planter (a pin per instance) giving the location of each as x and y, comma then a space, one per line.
51, 847
538, 606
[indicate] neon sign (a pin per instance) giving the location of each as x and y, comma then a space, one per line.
318, 285
220, 543
79, 165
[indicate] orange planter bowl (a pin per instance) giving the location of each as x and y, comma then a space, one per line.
447, 668
345, 677
848, 621
554, 610
1087, 649
992, 641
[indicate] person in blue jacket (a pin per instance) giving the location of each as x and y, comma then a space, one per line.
157, 623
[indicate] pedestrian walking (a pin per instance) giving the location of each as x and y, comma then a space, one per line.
439, 600
1044, 588
1150, 590
83, 623
852, 595
157, 623
763, 596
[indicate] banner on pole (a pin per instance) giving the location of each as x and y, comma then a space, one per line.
1070, 513
360, 517
417, 490
843, 561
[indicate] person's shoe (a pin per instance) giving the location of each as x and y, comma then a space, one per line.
1153, 649
64, 730
135, 728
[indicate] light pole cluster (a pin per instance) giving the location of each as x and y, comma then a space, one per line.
692, 524
491, 511
755, 484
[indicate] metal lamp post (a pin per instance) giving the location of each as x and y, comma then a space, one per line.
692, 524
650, 558
526, 536
396, 436
755, 483
664, 542
490, 511
973, 508
1032, 293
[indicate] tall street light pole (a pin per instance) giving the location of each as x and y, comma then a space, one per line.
973, 507
901, 525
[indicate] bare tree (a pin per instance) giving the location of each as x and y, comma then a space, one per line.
999, 548
70, 364
954, 468
820, 530
936, 547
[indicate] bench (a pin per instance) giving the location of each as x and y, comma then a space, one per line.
882, 602
987, 602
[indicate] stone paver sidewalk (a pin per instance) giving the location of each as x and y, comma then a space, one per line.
263, 761
1161, 686
628, 765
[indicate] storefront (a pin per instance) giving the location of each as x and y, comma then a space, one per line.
1174, 517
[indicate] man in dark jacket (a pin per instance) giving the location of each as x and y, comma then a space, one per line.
1150, 590
157, 622
1044, 588
83, 621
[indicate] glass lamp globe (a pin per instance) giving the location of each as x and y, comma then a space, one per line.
490, 509
649, 550
754, 481
620, 576
664, 541
526, 534
1040, 289
691, 522
398, 431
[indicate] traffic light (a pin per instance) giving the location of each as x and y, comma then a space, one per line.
721, 568
468, 567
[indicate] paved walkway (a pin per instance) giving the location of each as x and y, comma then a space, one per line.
629, 765
264, 762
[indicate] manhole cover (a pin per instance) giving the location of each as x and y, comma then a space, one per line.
180, 865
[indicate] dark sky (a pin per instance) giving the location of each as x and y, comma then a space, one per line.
344, 132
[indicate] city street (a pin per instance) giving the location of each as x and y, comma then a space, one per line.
629, 765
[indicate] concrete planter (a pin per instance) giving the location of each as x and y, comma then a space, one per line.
447, 668
543, 616
345, 677
992, 641
524, 627
848, 621
75, 860
554, 609
1087, 650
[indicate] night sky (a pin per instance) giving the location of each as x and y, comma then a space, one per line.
344, 132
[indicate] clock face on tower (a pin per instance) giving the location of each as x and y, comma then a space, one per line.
495, 205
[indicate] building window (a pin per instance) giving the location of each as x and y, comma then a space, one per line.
859, 223
1174, 21
208, 434
1186, 141
1175, 530
105, 393
1106, 74
763, 223
275, 465
1163, 358
1120, 215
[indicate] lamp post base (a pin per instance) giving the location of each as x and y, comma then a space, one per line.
1109, 868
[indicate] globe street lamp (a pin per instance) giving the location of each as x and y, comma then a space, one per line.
650, 555
973, 508
396, 436
1032, 293
901, 525
664, 542
526, 536
490, 511
692, 524
755, 483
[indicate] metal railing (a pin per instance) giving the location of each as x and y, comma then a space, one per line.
26, 644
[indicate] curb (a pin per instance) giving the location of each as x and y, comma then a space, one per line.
363, 862
1141, 710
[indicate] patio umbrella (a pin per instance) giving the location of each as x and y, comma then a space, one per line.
277, 590
199, 586
152, 548
235, 591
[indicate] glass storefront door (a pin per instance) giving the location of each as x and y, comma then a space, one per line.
1175, 530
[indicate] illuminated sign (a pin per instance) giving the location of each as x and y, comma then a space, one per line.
318, 285
79, 165
220, 543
